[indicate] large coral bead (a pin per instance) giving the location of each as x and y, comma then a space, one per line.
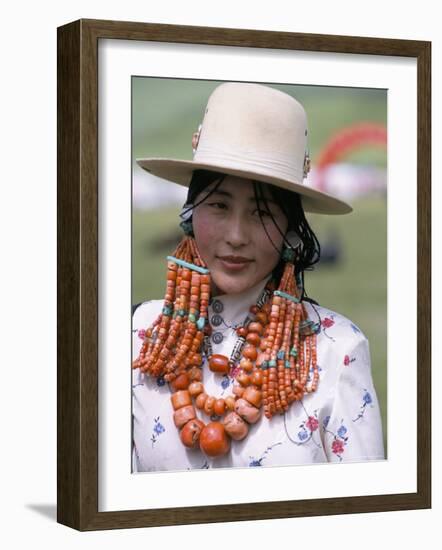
214, 440
219, 364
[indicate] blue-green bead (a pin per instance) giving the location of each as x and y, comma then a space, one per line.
264, 365
201, 323
192, 317
287, 364
288, 255
294, 352
182, 312
280, 354
272, 363
187, 227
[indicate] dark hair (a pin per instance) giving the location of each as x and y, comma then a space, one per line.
307, 254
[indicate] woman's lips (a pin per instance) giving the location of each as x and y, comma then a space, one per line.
234, 263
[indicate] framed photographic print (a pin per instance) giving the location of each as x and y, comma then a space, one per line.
129, 93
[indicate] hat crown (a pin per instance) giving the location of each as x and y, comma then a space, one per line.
251, 131
257, 125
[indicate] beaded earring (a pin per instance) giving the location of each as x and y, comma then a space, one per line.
274, 354
174, 340
186, 216
289, 341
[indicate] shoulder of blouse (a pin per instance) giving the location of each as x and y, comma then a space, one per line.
146, 312
335, 323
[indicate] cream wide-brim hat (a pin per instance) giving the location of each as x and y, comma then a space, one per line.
254, 132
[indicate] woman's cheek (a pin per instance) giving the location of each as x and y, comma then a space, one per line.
204, 235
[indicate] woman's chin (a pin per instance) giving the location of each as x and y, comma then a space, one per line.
230, 285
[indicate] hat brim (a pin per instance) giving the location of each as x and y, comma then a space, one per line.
180, 171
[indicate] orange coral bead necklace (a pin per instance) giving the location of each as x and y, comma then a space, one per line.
273, 353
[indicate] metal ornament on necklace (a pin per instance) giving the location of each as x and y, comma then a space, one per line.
220, 364
217, 320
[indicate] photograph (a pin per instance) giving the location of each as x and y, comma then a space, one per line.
222, 214
259, 274
239, 231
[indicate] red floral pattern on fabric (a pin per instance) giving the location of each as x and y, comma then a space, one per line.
327, 322
312, 423
338, 446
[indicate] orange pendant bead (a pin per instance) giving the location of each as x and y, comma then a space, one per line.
190, 433
219, 364
214, 440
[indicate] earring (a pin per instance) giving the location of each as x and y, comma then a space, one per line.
291, 244
187, 228
186, 216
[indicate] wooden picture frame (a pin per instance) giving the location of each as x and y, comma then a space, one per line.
78, 281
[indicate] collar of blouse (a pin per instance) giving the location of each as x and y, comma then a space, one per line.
227, 310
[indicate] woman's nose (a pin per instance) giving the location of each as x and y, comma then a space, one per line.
237, 232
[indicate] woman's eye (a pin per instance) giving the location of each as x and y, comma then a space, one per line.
218, 205
262, 213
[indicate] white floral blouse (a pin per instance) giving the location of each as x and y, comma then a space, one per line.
339, 422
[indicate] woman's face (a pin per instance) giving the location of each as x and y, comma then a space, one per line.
231, 238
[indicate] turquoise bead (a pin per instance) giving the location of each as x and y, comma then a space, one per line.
272, 363
201, 323
192, 317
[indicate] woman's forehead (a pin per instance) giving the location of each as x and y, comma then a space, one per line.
239, 187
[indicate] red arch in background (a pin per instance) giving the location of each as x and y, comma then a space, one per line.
347, 140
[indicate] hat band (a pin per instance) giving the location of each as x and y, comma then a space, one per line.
250, 160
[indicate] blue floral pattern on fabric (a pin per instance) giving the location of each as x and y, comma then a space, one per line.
258, 461
158, 429
307, 429
337, 423
228, 379
366, 400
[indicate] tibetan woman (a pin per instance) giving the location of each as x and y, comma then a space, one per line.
235, 366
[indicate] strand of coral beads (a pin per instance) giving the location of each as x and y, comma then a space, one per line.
237, 411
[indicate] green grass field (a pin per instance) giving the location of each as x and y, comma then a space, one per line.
355, 287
